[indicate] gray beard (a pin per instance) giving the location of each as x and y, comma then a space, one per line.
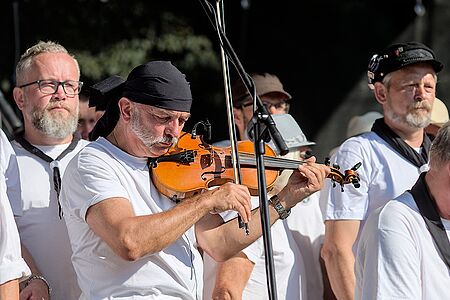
54, 126
414, 121
410, 119
147, 139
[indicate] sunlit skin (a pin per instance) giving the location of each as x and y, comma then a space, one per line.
53, 66
406, 96
9, 290
409, 96
56, 111
155, 123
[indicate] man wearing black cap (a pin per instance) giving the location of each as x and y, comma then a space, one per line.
403, 78
130, 241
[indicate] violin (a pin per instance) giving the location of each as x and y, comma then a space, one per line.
192, 165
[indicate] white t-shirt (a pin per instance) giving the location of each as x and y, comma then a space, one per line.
308, 229
12, 265
101, 171
288, 264
397, 257
37, 217
384, 175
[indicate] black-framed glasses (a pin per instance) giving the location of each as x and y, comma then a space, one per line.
283, 104
49, 87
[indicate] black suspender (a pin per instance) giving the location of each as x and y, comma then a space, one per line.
428, 210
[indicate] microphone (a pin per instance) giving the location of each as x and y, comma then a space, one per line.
268, 123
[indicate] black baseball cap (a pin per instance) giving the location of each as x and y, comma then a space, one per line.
400, 55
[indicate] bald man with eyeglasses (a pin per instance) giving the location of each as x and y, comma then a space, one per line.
48, 85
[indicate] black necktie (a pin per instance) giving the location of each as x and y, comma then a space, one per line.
56, 172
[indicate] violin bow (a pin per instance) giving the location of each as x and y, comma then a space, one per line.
220, 23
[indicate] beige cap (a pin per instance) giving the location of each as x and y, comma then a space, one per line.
362, 123
439, 113
265, 83
290, 131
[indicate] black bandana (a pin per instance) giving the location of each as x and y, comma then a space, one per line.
399, 145
156, 83
160, 84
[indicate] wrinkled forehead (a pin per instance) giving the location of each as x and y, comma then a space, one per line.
150, 109
57, 66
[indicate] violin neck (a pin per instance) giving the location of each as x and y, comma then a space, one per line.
270, 162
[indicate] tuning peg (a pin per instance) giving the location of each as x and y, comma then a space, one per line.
355, 182
355, 167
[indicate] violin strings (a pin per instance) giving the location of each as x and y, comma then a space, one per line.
269, 161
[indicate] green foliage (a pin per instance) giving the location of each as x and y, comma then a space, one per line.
175, 41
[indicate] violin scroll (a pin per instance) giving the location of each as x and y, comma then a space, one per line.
349, 176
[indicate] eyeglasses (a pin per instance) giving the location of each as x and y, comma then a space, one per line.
49, 87
283, 104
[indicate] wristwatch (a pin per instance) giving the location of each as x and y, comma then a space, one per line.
282, 212
34, 277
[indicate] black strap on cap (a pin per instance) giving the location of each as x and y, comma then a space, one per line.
427, 207
56, 172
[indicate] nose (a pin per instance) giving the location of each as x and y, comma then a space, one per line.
420, 93
59, 93
173, 128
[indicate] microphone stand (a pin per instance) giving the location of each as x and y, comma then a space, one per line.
262, 125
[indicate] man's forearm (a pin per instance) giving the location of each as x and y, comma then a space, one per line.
223, 240
341, 276
9, 290
229, 283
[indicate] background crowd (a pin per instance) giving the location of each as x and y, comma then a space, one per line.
77, 177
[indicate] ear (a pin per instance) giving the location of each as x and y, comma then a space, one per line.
380, 92
239, 121
238, 115
18, 97
125, 108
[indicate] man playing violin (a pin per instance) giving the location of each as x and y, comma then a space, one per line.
403, 78
128, 239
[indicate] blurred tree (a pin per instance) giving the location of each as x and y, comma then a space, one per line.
112, 37
318, 49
